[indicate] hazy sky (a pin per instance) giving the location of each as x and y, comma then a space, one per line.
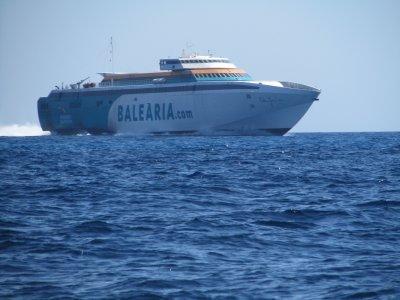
349, 49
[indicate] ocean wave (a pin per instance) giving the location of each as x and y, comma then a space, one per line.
310, 216
27, 129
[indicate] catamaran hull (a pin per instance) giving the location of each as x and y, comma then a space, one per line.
251, 109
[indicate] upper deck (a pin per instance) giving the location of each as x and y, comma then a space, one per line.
181, 70
196, 62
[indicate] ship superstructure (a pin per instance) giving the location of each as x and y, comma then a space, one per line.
200, 95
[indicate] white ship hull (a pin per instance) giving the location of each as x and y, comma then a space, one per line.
264, 110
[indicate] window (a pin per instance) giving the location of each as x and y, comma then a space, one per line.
171, 61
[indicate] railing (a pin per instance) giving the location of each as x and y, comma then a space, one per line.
298, 86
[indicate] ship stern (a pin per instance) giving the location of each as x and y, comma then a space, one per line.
44, 114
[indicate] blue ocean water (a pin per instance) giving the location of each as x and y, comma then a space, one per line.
302, 216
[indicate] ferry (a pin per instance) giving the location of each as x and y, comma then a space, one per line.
190, 95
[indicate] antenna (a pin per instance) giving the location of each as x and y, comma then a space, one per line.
112, 54
189, 46
112, 58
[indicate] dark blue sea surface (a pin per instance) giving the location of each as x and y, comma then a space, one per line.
301, 216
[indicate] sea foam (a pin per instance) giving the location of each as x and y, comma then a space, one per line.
27, 129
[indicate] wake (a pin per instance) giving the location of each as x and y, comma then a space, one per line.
22, 130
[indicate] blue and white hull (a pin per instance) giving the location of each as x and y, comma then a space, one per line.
239, 108
200, 95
